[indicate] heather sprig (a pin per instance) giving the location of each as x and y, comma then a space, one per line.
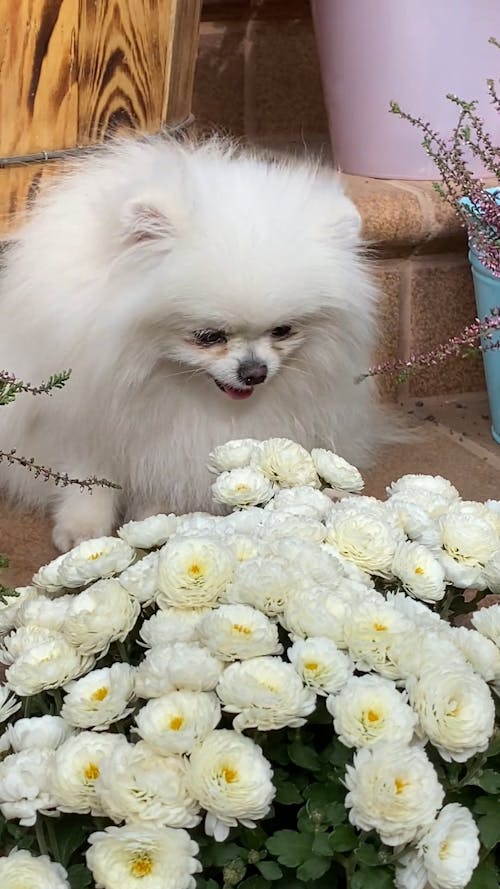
10, 385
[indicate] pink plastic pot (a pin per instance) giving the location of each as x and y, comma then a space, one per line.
410, 51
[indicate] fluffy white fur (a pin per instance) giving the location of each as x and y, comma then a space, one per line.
121, 261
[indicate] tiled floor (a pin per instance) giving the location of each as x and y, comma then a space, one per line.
453, 441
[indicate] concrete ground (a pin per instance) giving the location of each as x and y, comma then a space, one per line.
454, 442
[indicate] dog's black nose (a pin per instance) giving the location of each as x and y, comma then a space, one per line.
251, 373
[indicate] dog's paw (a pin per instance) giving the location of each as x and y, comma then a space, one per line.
66, 536
82, 517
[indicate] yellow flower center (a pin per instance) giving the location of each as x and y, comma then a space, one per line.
240, 628
311, 665
372, 716
230, 775
94, 556
99, 694
141, 865
194, 570
380, 628
419, 570
443, 849
176, 723
240, 488
455, 709
91, 771
400, 784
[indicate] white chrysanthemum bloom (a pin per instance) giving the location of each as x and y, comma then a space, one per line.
23, 639
75, 768
363, 538
286, 463
468, 539
245, 521
419, 571
370, 709
49, 664
450, 848
413, 519
430, 485
137, 785
266, 693
242, 488
178, 665
9, 606
42, 611
412, 655
368, 505
410, 871
493, 511
94, 559
232, 780
320, 664
455, 709
394, 790
236, 632
462, 574
149, 533
302, 500
172, 625
416, 611
177, 721
317, 566
100, 698
35, 732
279, 524
315, 611
349, 569
491, 573
25, 787
265, 584
22, 870
103, 613
245, 547
141, 578
196, 524
487, 622
479, 651
47, 577
8, 704
193, 572
142, 857
336, 471
235, 454
370, 632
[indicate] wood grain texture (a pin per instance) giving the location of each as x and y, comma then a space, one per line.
74, 72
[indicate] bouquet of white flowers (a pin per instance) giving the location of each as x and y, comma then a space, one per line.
278, 696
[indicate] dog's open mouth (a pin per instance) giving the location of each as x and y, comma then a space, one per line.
232, 392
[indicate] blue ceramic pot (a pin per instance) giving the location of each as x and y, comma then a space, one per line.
487, 290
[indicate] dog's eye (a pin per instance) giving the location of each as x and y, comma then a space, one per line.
281, 332
209, 337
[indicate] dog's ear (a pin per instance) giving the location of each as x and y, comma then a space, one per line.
143, 222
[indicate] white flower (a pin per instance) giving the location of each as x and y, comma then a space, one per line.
245, 546
428, 485
369, 709
467, 538
412, 653
24, 786
177, 665
286, 524
265, 584
320, 664
316, 566
286, 463
231, 779
487, 622
480, 652
49, 664
101, 614
394, 790
315, 611
235, 454
413, 519
370, 633
455, 709
142, 856
22, 640
450, 848
47, 577
234, 632
410, 871
242, 488
177, 721
141, 578
302, 500
416, 611
194, 572
336, 471
22, 870
491, 573
363, 538
246, 521
196, 524
93, 559
8, 703
172, 625
100, 698
419, 571
149, 533
135, 784
493, 511
462, 574
42, 611
37, 731
75, 768
266, 693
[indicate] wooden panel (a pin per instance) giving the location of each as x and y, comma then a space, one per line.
181, 62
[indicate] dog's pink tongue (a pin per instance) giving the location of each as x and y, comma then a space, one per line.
237, 394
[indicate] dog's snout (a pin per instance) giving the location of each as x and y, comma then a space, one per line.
251, 373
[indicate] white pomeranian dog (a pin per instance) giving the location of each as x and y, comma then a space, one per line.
199, 294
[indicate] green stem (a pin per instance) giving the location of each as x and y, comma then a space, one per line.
40, 836
122, 651
52, 838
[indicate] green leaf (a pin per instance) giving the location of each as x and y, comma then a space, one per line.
340, 755
79, 877
290, 847
223, 853
321, 845
269, 870
287, 793
305, 757
344, 838
494, 746
489, 781
313, 868
484, 805
254, 883
367, 855
489, 830
336, 813
70, 834
486, 876
253, 837
373, 878
318, 795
